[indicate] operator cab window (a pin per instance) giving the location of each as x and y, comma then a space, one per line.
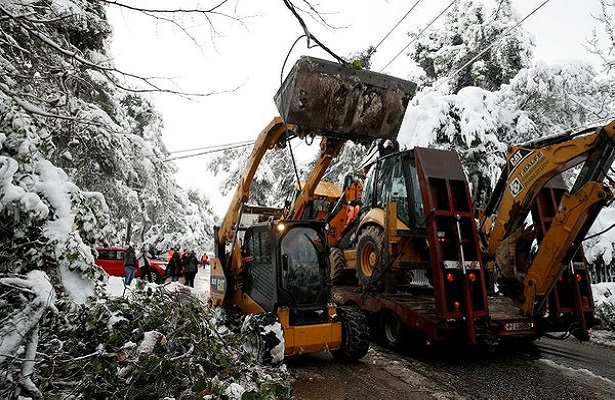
301, 269
391, 187
417, 214
260, 268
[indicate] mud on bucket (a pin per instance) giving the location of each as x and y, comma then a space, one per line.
328, 99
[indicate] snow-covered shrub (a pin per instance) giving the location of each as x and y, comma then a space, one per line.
606, 315
604, 299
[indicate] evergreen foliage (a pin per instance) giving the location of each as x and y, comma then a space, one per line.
466, 32
152, 344
80, 161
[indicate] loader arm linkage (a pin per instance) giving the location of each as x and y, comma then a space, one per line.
272, 136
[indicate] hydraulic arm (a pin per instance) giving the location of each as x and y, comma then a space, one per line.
529, 167
329, 149
228, 266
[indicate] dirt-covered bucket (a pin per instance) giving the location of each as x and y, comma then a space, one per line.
330, 99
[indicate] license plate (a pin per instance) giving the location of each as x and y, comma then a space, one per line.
518, 326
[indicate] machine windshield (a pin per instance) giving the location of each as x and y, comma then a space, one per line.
303, 272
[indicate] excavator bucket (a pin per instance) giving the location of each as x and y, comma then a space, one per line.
329, 99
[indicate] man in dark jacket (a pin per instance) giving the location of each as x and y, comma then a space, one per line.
386, 147
174, 267
190, 265
130, 264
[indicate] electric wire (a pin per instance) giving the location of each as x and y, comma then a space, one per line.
287, 56
419, 34
208, 152
448, 78
396, 25
246, 142
292, 157
217, 149
599, 233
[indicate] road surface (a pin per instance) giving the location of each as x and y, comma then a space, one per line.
549, 369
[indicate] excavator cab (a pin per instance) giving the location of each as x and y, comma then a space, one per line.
285, 265
282, 288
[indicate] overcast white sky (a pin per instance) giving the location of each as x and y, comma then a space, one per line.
250, 59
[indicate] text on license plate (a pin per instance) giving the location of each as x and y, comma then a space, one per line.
518, 326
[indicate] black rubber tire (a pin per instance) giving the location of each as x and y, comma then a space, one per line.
355, 334
369, 255
230, 316
391, 330
338, 262
264, 338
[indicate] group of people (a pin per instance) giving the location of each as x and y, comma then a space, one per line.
178, 264
185, 264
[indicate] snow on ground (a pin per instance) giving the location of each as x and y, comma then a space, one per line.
602, 292
581, 374
116, 288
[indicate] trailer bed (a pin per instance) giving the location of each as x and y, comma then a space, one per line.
416, 310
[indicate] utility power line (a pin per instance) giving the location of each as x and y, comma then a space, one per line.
396, 25
448, 78
419, 35
246, 142
210, 151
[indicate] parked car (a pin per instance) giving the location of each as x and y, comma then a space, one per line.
111, 260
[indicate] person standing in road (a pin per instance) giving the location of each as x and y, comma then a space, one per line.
174, 267
190, 265
204, 260
145, 258
130, 264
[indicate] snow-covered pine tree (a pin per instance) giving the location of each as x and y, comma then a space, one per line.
468, 30
77, 158
538, 101
604, 45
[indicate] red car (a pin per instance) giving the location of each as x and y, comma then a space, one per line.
111, 260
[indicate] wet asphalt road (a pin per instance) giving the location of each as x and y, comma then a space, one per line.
548, 369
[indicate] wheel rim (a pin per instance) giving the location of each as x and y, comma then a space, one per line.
391, 328
368, 259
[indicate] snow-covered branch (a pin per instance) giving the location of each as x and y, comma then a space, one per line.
41, 297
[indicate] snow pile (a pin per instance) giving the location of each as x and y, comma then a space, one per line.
601, 246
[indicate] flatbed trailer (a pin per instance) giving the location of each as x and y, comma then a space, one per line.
412, 318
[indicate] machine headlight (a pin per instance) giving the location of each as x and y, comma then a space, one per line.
280, 227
